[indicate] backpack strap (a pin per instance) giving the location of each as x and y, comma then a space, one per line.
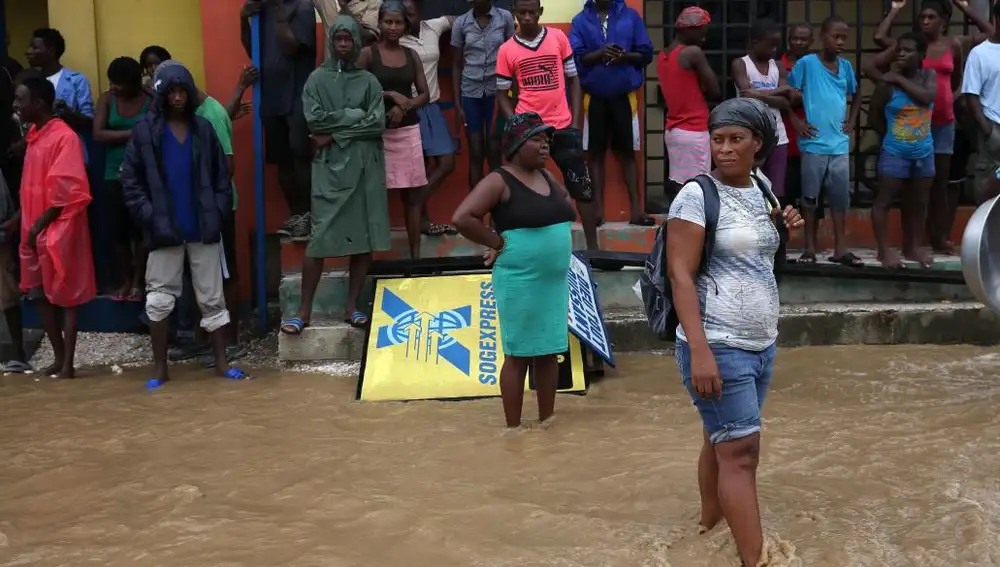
765, 188
710, 191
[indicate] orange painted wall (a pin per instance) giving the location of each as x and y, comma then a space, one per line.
225, 58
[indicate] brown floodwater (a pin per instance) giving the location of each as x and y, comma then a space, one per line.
872, 456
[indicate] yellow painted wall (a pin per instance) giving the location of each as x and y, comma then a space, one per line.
98, 31
23, 17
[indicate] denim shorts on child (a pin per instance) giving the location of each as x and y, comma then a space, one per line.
746, 378
832, 172
896, 167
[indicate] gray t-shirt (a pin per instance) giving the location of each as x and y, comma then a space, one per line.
738, 294
282, 77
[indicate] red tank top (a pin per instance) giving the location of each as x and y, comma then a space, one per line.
944, 104
686, 106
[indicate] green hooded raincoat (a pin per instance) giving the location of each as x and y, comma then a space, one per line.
350, 210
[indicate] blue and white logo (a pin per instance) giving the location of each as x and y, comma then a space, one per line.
426, 335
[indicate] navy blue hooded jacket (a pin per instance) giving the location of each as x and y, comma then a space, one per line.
142, 176
625, 29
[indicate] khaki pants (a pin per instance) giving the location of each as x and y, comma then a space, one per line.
987, 161
364, 11
165, 281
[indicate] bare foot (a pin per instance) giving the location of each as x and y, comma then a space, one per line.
123, 291
890, 260
708, 523
920, 256
511, 431
547, 423
66, 373
53, 369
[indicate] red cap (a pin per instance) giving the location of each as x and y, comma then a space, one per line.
693, 17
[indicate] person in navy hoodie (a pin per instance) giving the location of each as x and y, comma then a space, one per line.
177, 188
612, 50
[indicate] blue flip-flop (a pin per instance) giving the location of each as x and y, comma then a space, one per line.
358, 320
155, 383
293, 326
237, 374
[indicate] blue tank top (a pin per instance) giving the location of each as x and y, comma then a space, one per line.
908, 127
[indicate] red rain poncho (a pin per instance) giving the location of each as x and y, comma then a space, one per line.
55, 176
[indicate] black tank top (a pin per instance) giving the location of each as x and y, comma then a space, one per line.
396, 79
527, 209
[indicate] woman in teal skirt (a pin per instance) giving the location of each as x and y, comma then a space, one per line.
530, 253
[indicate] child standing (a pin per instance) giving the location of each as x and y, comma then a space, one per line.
687, 81
757, 75
540, 60
177, 188
826, 81
901, 112
476, 38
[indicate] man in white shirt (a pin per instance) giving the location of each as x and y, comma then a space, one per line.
981, 86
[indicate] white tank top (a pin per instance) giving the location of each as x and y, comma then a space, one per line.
766, 82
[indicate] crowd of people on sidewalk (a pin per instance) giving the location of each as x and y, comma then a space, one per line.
167, 181
505, 62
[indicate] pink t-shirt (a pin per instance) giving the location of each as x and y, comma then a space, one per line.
540, 75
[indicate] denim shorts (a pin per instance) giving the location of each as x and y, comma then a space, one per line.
746, 378
944, 139
897, 167
831, 172
478, 114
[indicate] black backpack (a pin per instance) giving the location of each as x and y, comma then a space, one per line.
654, 285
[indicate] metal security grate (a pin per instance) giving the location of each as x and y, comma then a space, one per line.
727, 39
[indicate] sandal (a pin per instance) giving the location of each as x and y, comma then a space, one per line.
848, 259
358, 320
293, 326
135, 295
237, 374
434, 229
807, 258
643, 221
156, 383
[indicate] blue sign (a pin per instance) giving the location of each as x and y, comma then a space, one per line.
586, 321
426, 335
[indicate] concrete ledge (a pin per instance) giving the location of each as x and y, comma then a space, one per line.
615, 291
847, 324
804, 325
323, 340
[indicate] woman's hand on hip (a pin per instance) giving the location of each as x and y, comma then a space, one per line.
705, 375
490, 256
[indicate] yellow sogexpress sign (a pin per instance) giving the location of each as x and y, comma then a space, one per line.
439, 337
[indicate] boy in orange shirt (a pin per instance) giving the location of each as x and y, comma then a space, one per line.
540, 59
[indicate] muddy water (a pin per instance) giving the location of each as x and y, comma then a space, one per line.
872, 457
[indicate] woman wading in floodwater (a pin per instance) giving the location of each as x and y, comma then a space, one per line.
729, 314
530, 253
